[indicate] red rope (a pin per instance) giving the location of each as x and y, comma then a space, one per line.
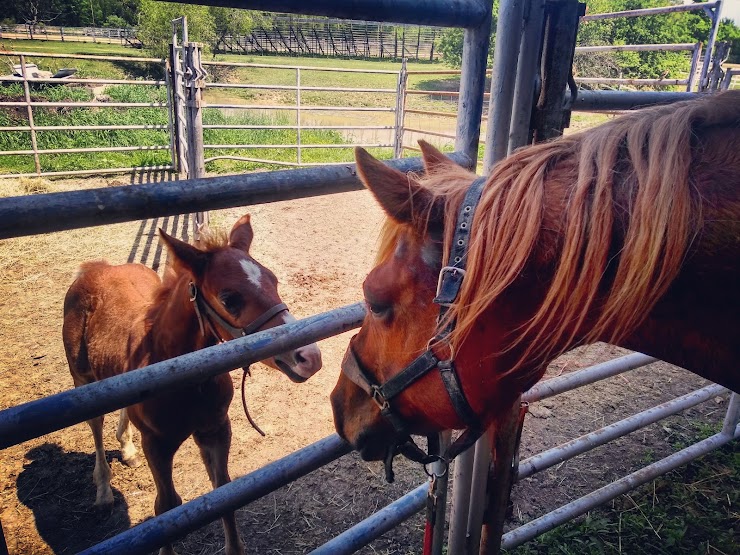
428, 538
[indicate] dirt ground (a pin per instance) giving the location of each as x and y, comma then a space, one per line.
320, 249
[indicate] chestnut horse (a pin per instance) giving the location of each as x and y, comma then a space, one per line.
119, 318
628, 233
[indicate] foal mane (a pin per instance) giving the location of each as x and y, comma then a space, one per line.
627, 210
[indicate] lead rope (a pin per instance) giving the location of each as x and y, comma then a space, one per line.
244, 402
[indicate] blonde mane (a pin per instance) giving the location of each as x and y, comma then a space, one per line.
626, 181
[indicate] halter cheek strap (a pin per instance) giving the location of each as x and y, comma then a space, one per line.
207, 315
448, 289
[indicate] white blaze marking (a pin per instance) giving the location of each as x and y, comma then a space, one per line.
254, 274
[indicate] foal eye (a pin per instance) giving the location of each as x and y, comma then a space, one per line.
232, 302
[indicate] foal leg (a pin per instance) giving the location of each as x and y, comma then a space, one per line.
159, 453
101, 474
214, 450
125, 436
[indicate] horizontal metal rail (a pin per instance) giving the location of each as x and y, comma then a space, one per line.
431, 113
294, 88
82, 57
82, 150
566, 451
377, 524
588, 502
302, 68
132, 169
440, 13
35, 418
589, 375
87, 104
413, 148
177, 522
302, 127
255, 160
649, 11
636, 47
29, 215
293, 108
445, 93
596, 101
425, 132
82, 81
344, 145
92, 127
627, 81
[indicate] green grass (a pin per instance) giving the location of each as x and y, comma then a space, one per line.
690, 511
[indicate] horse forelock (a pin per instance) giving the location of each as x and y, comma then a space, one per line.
611, 210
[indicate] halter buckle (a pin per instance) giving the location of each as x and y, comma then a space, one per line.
378, 397
448, 285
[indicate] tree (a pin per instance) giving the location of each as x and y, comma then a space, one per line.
38, 12
155, 24
451, 42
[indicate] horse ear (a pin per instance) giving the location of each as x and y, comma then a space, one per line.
433, 158
399, 194
185, 255
241, 234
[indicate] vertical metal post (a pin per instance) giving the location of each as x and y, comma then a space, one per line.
505, 463
527, 76
29, 113
478, 489
461, 483
503, 82
553, 106
298, 112
733, 415
472, 86
694, 64
403, 78
715, 15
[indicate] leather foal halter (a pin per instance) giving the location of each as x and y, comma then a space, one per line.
448, 288
207, 315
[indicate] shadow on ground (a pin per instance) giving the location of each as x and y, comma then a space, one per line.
58, 487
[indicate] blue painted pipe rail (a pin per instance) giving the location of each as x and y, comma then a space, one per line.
440, 13
33, 214
376, 524
177, 522
55, 412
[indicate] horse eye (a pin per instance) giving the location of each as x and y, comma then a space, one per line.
232, 302
378, 310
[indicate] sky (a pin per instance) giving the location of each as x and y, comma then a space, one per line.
731, 9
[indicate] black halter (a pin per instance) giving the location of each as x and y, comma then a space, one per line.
207, 315
448, 288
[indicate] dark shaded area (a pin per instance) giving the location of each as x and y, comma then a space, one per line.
58, 487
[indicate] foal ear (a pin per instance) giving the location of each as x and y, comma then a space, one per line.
185, 255
433, 158
241, 234
399, 194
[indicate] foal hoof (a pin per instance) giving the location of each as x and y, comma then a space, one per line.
133, 462
104, 501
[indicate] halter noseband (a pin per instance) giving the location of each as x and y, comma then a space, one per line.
207, 314
448, 288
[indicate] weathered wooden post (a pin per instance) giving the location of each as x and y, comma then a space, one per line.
403, 77
195, 77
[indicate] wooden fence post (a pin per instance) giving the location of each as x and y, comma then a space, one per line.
403, 77
195, 77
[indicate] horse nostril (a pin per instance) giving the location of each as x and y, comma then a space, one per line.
300, 359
